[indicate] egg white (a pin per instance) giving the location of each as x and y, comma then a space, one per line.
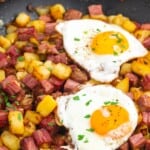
72, 113
102, 68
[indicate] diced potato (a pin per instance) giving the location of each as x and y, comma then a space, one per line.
123, 85
129, 25
61, 71
45, 146
85, 17
39, 25
1, 143
136, 92
4, 42
110, 18
16, 124
2, 50
139, 68
20, 65
32, 116
2, 74
21, 74
142, 34
99, 17
46, 105
33, 64
42, 10
11, 29
125, 68
12, 37
11, 141
34, 41
30, 56
20, 44
22, 19
49, 65
118, 19
29, 128
41, 72
57, 11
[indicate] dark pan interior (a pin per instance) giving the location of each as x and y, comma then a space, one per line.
138, 10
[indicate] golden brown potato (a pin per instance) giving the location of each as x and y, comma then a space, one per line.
11, 141
22, 19
123, 85
57, 11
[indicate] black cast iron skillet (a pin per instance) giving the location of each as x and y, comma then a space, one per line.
138, 10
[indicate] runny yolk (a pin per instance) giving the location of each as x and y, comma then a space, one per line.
108, 118
109, 42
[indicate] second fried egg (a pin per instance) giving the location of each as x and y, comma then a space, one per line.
98, 117
100, 48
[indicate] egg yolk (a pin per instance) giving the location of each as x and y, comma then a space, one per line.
109, 42
108, 118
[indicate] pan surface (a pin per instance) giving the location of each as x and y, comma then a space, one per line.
138, 10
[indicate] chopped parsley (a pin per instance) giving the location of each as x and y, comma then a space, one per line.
19, 116
119, 40
76, 39
75, 51
85, 32
114, 61
80, 137
90, 130
115, 53
7, 103
20, 58
17, 103
87, 116
93, 49
111, 102
88, 102
84, 95
76, 98
51, 124
86, 141
98, 30
49, 68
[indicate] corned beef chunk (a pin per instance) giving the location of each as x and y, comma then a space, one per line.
42, 136
30, 81
11, 85
28, 143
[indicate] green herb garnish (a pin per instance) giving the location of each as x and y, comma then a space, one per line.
51, 124
20, 58
90, 130
98, 30
111, 102
115, 53
80, 137
76, 98
17, 103
87, 116
49, 68
119, 40
76, 39
19, 116
85, 32
114, 61
88, 102
86, 141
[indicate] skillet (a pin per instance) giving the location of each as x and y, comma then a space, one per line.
138, 10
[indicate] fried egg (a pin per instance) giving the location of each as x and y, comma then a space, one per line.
98, 47
98, 117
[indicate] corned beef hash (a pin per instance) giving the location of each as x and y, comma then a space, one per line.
74, 81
